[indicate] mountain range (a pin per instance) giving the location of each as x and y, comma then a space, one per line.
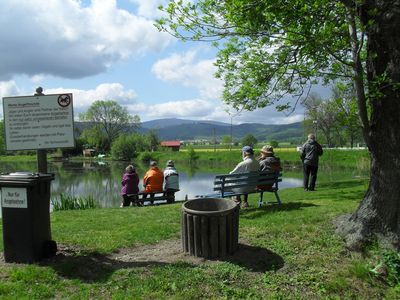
179, 129
183, 130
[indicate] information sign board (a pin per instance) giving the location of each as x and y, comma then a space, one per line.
39, 122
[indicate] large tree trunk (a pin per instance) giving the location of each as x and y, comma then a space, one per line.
378, 215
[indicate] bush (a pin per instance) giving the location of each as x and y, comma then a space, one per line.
146, 157
127, 147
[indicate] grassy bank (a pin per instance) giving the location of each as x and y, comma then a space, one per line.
333, 157
289, 252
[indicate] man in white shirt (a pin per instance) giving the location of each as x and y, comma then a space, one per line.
249, 164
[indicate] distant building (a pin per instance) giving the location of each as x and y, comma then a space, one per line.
173, 145
89, 152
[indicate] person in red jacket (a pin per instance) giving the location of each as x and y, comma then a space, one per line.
153, 181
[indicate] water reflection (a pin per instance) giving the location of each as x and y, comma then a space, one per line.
102, 180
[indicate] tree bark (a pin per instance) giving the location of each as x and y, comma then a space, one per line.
378, 216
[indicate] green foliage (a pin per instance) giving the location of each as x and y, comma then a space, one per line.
299, 33
145, 157
388, 267
192, 155
127, 147
109, 120
153, 141
274, 144
249, 140
68, 202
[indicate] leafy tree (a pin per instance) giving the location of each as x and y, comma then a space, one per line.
226, 139
109, 120
192, 155
153, 140
274, 144
275, 48
249, 140
323, 114
347, 117
128, 147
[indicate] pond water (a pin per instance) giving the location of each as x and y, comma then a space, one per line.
102, 180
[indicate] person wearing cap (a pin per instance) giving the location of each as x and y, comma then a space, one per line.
268, 163
171, 181
153, 181
249, 164
310, 153
129, 190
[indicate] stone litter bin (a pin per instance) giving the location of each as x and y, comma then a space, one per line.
25, 203
210, 227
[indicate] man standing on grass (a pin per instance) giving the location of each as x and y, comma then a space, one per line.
310, 153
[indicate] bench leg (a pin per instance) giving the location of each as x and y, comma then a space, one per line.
277, 197
260, 199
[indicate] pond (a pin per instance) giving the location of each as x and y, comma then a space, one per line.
102, 180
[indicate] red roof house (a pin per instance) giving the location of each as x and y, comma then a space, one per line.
174, 145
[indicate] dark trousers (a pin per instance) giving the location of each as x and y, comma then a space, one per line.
171, 194
151, 197
307, 171
127, 200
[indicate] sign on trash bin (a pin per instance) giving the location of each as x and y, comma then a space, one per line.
39, 122
14, 197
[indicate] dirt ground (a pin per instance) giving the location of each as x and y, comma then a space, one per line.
253, 259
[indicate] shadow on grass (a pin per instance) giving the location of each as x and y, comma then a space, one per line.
257, 212
255, 259
92, 267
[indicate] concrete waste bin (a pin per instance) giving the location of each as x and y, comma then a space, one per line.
210, 227
25, 203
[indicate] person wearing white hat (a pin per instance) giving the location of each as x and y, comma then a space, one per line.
249, 164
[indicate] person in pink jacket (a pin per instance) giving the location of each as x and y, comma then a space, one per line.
130, 188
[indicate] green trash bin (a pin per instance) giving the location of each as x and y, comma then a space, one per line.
25, 203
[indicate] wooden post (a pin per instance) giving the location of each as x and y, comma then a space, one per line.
41, 154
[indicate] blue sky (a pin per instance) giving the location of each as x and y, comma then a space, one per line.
110, 50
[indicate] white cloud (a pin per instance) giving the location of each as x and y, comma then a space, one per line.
149, 8
196, 108
187, 70
8, 89
106, 91
66, 39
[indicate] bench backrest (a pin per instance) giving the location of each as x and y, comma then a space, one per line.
228, 181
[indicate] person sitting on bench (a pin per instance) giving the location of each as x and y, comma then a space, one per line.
153, 181
130, 181
171, 179
268, 163
249, 164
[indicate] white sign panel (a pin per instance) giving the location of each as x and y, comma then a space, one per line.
39, 122
14, 197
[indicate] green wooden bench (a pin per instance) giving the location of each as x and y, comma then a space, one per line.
161, 198
225, 185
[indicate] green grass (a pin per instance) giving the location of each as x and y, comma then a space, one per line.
67, 202
300, 257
